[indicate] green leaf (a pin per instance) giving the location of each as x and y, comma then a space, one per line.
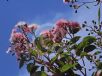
39, 73
67, 67
31, 68
99, 15
75, 39
21, 62
99, 66
54, 58
38, 44
97, 52
78, 66
83, 54
89, 39
89, 48
33, 52
86, 42
89, 57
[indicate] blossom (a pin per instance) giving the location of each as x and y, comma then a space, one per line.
46, 34
23, 26
62, 23
74, 27
17, 37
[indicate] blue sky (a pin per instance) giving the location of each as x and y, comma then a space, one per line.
42, 12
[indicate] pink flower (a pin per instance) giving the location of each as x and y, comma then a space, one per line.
57, 38
74, 27
58, 34
74, 24
23, 26
62, 23
47, 34
17, 36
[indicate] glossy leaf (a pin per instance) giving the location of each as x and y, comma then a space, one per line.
39, 73
31, 68
75, 39
89, 39
97, 52
86, 42
99, 65
89, 48
83, 54
38, 44
54, 58
21, 62
78, 66
99, 15
67, 67
33, 52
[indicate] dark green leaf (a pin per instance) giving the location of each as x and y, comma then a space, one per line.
78, 66
57, 48
75, 39
21, 62
86, 42
89, 39
54, 58
32, 68
83, 54
97, 52
33, 52
39, 73
42, 68
89, 57
89, 48
38, 44
99, 15
29, 67
67, 67
99, 65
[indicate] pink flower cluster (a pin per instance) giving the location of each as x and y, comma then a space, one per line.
61, 29
20, 43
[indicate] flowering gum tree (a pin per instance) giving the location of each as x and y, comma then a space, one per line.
58, 51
